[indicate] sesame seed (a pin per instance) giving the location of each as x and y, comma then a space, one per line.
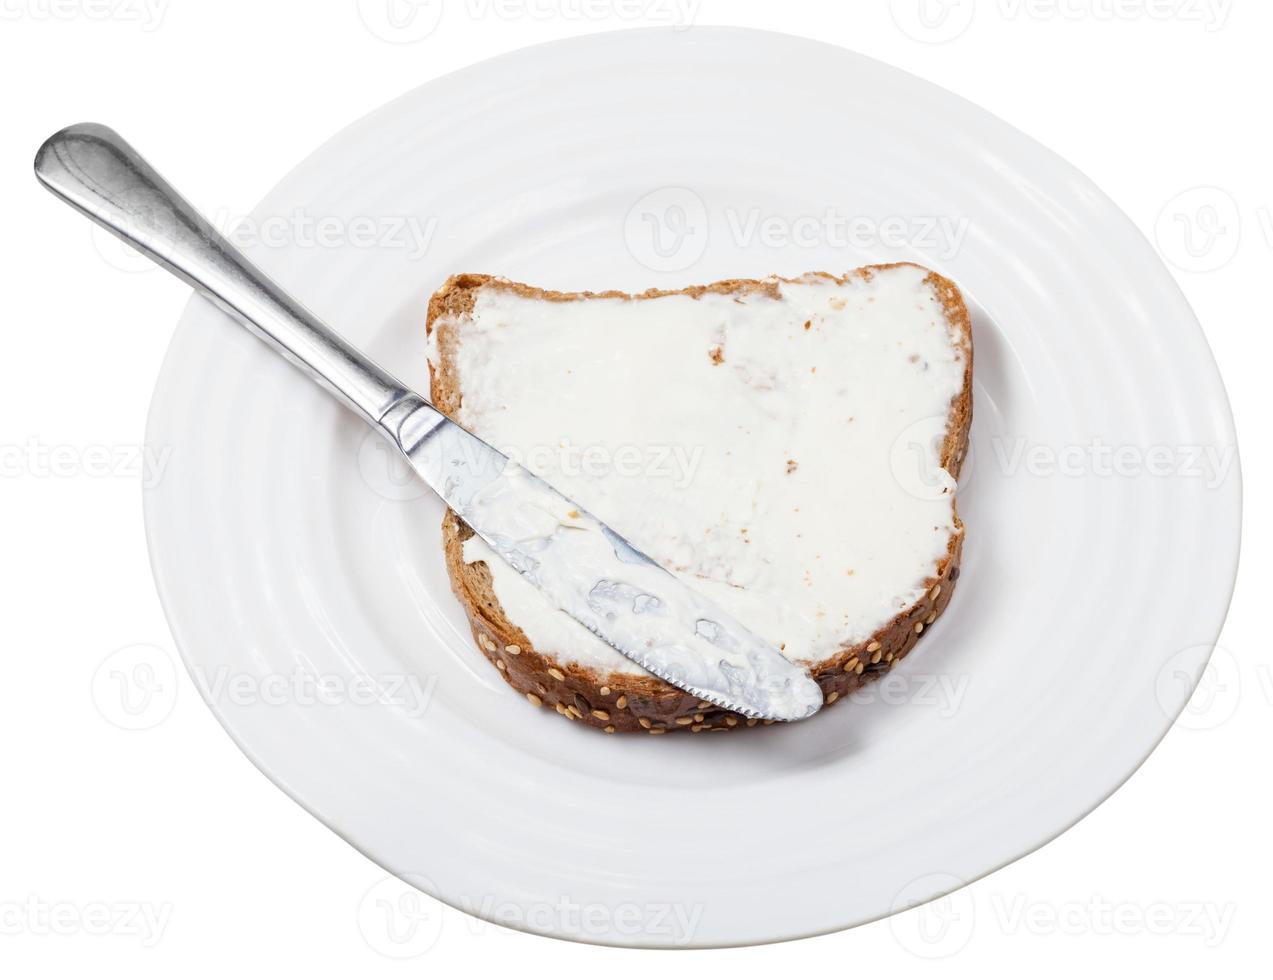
731, 721
851, 665
859, 668
500, 665
919, 627
657, 731
573, 711
644, 722
512, 649
605, 691
534, 699
609, 729
931, 616
936, 591
698, 717
603, 715
875, 657
751, 722
872, 646
622, 702
833, 697
696, 728
554, 672
685, 720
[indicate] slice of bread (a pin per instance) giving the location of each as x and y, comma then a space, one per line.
829, 556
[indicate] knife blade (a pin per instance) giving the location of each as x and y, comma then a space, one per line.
584, 567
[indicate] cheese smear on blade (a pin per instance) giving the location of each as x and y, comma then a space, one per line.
644, 610
780, 455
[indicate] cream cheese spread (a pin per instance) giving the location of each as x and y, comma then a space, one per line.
761, 447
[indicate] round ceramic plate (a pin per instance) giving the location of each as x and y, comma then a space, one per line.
302, 573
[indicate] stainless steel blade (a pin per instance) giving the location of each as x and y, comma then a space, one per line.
596, 576
583, 566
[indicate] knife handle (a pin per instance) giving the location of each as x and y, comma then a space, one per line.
93, 169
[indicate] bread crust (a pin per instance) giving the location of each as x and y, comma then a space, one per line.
625, 702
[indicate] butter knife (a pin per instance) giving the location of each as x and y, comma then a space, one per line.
582, 566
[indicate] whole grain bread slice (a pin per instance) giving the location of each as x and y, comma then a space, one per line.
635, 702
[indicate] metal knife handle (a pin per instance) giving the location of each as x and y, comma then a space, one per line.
94, 170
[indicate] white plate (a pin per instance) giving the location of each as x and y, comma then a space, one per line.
284, 546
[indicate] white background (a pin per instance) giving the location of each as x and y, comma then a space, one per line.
163, 852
